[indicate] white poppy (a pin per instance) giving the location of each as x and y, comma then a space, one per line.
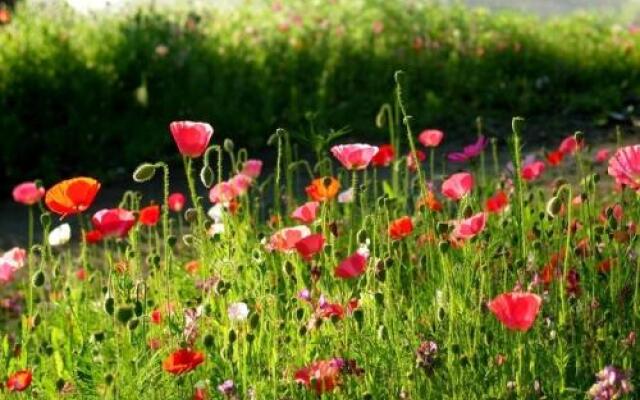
216, 212
238, 312
346, 196
60, 235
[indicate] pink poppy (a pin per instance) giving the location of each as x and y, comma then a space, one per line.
354, 156
411, 160
532, 171
470, 151
516, 311
240, 184
457, 185
602, 155
310, 246
624, 166
176, 202
468, 228
352, 266
285, 239
223, 192
306, 213
252, 168
10, 262
570, 145
321, 376
28, 193
191, 137
114, 222
430, 137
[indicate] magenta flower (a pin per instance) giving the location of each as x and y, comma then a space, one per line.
252, 168
457, 186
222, 192
27, 193
624, 166
192, 138
354, 156
470, 151
430, 137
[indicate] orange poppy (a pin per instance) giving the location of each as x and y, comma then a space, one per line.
430, 201
19, 381
72, 196
323, 189
182, 361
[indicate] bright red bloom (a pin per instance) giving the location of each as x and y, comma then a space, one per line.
624, 167
321, 376
192, 138
400, 228
352, 266
354, 156
516, 311
27, 193
604, 266
81, 274
430, 137
307, 212
200, 394
411, 160
532, 171
328, 310
72, 196
470, 227
156, 316
150, 215
457, 185
555, 157
310, 246
570, 145
113, 222
182, 361
176, 202
19, 381
602, 155
384, 156
497, 202
93, 236
323, 189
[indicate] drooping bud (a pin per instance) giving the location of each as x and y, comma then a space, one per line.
144, 172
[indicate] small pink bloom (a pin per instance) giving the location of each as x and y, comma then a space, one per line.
346, 196
352, 266
602, 155
191, 137
354, 156
306, 213
285, 239
470, 227
113, 222
240, 184
27, 193
457, 185
176, 202
624, 166
223, 192
570, 145
431, 137
532, 171
470, 151
252, 168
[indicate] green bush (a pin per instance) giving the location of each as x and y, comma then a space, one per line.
82, 94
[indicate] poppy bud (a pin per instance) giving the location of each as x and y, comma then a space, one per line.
138, 308
124, 314
467, 212
144, 172
554, 206
381, 118
517, 123
45, 219
206, 176
254, 321
98, 336
232, 336
228, 145
190, 215
133, 324
172, 240
188, 240
272, 139
208, 340
38, 278
109, 305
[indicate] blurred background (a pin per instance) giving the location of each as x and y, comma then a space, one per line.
90, 86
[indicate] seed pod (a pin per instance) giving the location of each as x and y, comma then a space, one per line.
144, 172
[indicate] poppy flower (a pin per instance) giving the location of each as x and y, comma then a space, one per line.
323, 189
430, 201
431, 137
176, 202
310, 246
604, 266
457, 185
285, 239
150, 215
5, 15
470, 227
59, 236
555, 157
411, 160
10, 262
347, 196
192, 266
72, 196
322, 376
470, 151
19, 381
384, 156
400, 228
93, 236
192, 138
306, 213
624, 167
352, 266
532, 171
182, 361
516, 310
222, 192
156, 316
570, 145
81, 274
200, 393
602, 155
238, 312
497, 202
354, 156
115, 222
240, 184
27, 193
252, 168
327, 310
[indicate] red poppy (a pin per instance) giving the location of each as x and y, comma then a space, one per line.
352, 266
605, 265
323, 189
431, 137
330, 310
516, 310
321, 376
497, 202
310, 246
93, 236
182, 361
192, 138
72, 196
400, 228
113, 222
156, 316
176, 202
192, 266
384, 156
532, 171
19, 381
555, 157
200, 394
81, 274
150, 215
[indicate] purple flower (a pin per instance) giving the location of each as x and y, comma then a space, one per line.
227, 388
612, 383
471, 151
426, 355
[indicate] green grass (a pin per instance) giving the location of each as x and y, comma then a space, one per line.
75, 91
